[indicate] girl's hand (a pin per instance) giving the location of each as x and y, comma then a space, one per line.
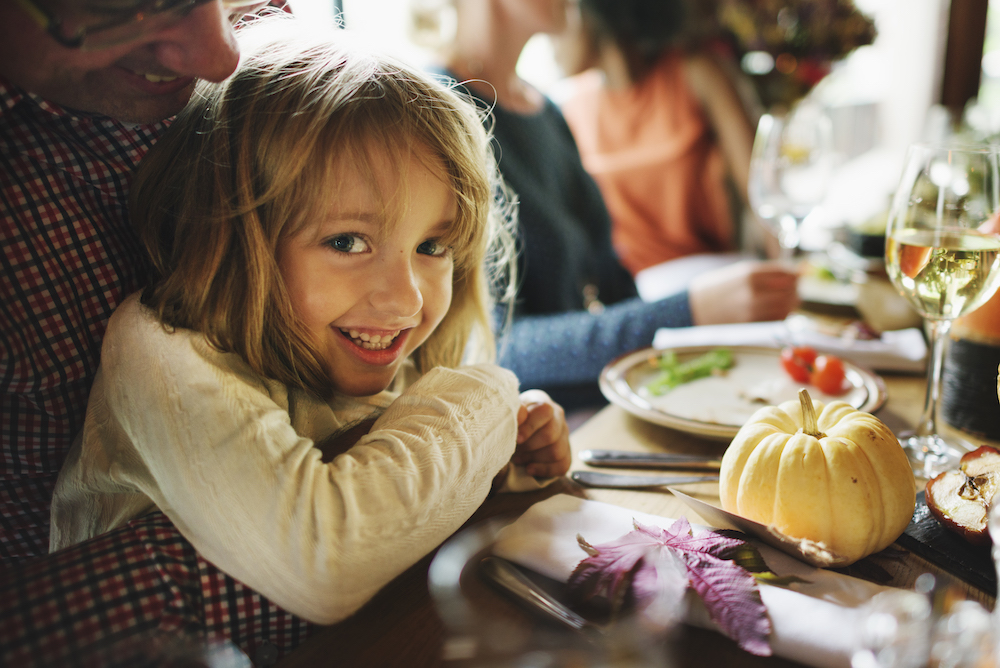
542, 436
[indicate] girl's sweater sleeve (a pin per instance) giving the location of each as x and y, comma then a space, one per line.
572, 348
219, 456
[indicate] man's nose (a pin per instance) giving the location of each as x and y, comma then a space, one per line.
202, 45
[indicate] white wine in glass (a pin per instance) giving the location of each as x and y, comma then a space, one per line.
942, 254
790, 170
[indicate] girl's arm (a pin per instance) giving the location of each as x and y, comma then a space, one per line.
726, 113
214, 448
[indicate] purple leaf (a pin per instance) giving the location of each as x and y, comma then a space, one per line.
732, 599
649, 562
629, 566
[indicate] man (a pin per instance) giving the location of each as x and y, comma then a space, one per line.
82, 98
84, 90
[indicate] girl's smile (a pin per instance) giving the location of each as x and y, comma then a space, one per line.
371, 341
376, 349
370, 279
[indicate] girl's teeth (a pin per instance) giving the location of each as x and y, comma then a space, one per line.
371, 341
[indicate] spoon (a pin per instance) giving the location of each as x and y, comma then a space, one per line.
513, 581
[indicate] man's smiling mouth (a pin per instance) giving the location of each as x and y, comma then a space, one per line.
151, 77
156, 78
370, 341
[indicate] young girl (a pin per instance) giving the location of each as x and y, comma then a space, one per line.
320, 223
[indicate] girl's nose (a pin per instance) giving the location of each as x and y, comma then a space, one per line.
396, 290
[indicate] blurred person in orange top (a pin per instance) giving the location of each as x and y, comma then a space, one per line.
661, 127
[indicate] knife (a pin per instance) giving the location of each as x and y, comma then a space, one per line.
649, 460
812, 553
618, 481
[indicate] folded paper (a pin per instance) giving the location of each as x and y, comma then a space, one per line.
901, 350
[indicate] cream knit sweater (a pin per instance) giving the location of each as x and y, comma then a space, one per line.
228, 456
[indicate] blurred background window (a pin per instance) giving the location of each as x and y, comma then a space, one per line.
909, 84
989, 91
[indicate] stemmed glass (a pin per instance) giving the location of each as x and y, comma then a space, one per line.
461, 584
942, 254
790, 169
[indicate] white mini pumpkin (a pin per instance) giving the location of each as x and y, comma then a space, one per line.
826, 473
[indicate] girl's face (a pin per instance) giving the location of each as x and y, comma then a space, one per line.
371, 291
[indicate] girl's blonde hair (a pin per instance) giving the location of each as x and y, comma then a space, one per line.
252, 160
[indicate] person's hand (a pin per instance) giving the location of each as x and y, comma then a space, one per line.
542, 436
747, 291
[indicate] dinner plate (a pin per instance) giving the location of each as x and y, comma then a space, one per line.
717, 406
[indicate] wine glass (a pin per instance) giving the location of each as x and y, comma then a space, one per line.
480, 633
942, 254
790, 169
993, 527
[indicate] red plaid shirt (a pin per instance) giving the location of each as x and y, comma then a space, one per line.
135, 595
139, 596
69, 257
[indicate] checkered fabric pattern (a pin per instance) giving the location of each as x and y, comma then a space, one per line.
69, 257
137, 596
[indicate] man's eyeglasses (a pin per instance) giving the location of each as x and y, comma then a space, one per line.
98, 24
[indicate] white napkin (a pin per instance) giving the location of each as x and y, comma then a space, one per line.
673, 276
900, 350
817, 624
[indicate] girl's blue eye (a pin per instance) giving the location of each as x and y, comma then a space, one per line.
432, 247
347, 243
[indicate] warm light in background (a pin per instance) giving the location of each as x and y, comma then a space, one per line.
884, 92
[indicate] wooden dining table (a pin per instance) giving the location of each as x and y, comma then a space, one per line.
402, 626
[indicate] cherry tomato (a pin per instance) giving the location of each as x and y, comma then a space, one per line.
798, 362
828, 375
912, 259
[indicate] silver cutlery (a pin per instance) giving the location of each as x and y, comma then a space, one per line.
621, 481
808, 551
649, 460
512, 580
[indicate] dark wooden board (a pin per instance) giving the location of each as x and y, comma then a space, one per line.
926, 537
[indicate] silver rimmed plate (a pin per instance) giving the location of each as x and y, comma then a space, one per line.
716, 407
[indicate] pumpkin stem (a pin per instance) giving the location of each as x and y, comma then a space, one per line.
809, 425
